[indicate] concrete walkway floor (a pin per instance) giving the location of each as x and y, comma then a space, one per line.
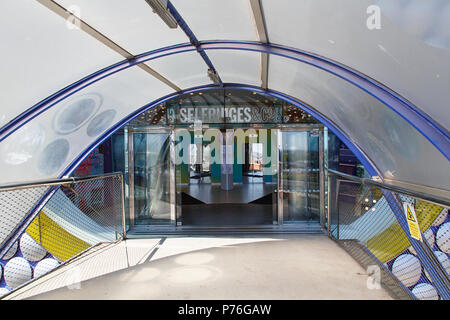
275, 267
272, 267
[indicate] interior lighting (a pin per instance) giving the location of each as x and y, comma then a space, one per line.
212, 74
160, 8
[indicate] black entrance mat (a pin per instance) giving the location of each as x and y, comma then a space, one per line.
229, 214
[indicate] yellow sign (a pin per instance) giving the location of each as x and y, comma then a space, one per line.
413, 224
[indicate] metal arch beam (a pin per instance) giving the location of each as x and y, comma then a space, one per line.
261, 31
264, 70
193, 39
258, 19
65, 14
428, 127
353, 146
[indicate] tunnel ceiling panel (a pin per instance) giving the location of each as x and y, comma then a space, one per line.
131, 23
218, 20
185, 70
410, 53
45, 147
237, 66
399, 151
41, 54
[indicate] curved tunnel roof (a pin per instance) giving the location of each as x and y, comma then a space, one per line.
66, 85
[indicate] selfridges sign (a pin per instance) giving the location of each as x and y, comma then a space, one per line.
220, 114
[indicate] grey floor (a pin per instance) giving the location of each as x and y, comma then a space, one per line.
258, 267
228, 207
228, 214
241, 193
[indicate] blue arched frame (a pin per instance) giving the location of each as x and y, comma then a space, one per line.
431, 130
368, 164
427, 126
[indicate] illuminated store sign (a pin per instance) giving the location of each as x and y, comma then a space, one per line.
215, 114
221, 114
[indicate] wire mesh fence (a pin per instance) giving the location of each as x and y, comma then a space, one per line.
46, 224
361, 214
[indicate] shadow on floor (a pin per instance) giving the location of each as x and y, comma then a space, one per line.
284, 267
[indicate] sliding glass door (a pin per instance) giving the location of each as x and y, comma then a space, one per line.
161, 186
300, 176
151, 177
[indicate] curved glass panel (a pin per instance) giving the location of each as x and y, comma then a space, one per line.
131, 24
42, 53
237, 66
214, 20
396, 148
48, 144
186, 70
409, 52
399, 151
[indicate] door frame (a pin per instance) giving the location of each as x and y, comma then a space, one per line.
280, 198
175, 208
130, 152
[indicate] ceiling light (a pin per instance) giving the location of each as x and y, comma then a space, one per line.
160, 8
212, 74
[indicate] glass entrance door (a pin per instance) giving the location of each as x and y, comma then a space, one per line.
300, 176
169, 182
151, 177
228, 177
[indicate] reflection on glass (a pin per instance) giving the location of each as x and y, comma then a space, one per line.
151, 178
300, 176
206, 158
256, 156
193, 154
119, 159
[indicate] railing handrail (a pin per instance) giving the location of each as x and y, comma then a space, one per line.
441, 201
53, 182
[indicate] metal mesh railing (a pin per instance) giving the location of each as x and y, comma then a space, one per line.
46, 224
366, 214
